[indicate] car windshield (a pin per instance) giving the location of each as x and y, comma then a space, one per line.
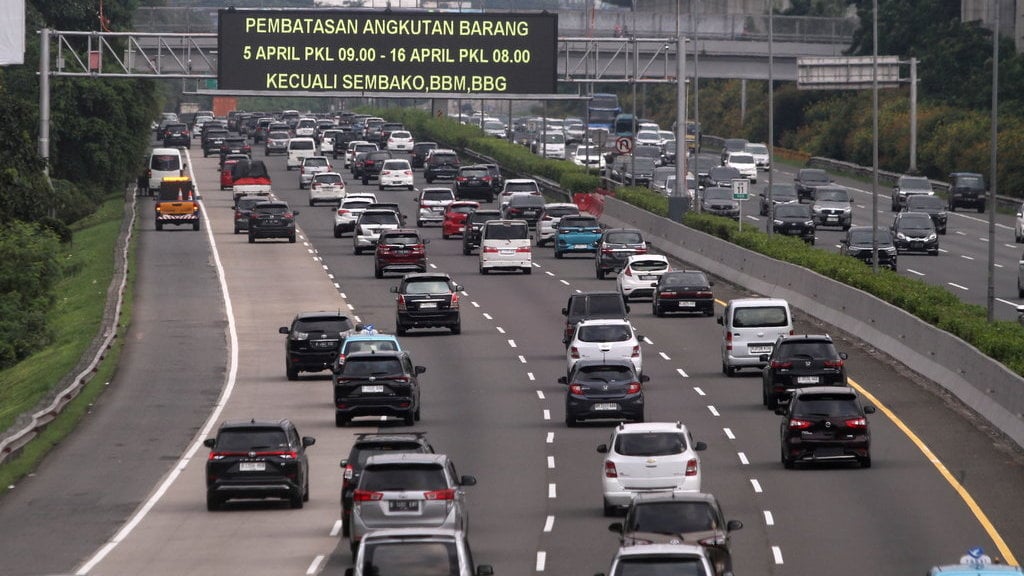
648, 265
314, 161
328, 178
792, 211
247, 203
461, 209
741, 159
276, 209
832, 196
400, 135
474, 172
915, 222
814, 176
673, 517
360, 367
397, 165
520, 187
916, 184
760, 317
401, 239
403, 477
507, 232
368, 346
684, 279
604, 333
427, 287
718, 194
301, 145
624, 238
660, 566
650, 444
356, 203
165, 162
606, 373
970, 182
560, 211
756, 148
247, 439
830, 405
402, 558
599, 304
817, 350
322, 325
438, 195
782, 193
865, 236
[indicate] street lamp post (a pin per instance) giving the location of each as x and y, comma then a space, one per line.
771, 116
990, 299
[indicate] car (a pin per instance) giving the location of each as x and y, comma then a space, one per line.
730, 145
272, 219
495, 128
514, 186
505, 245
640, 275
432, 202
750, 328
370, 164
348, 212
552, 145
243, 208
794, 219
552, 213
341, 137
299, 148
591, 305
474, 183
388, 128
399, 140
719, 201
393, 206
647, 138
907, 186
393, 551
472, 226
832, 206
176, 134
800, 361
638, 171
691, 188
314, 339
441, 164
382, 384
967, 189
976, 563
276, 143
396, 172
577, 233
401, 250
370, 224
257, 459
409, 490
603, 389
825, 424
915, 232
604, 339
760, 153
934, 207
680, 517
419, 153
427, 300
666, 136
720, 176
356, 147
659, 179
165, 119
661, 559
311, 165
234, 145
326, 140
227, 180
326, 186
683, 291
779, 194
615, 247
745, 163
455, 214
648, 457
859, 242
589, 157
807, 179
526, 207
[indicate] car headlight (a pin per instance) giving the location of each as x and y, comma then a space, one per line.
777, 222
847, 210
932, 236
816, 209
901, 236
809, 223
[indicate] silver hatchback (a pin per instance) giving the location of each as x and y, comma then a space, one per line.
409, 491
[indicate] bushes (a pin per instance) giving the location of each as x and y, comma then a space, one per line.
29, 270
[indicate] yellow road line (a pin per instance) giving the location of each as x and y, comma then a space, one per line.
1004, 550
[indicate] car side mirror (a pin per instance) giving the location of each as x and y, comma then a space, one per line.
420, 369
308, 441
209, 442
563, 380
654, 284
565, 311
283, 330
700, 446
459, 288
843, 355
869, 409
781, 410
393, 289
720, 320
467, 481
343, 463
602, 448
710, 283
645, 378
733, 525
640, 337
615, 527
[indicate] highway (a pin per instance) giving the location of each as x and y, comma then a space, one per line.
490, 400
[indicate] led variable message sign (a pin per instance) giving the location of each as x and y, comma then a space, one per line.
382, 51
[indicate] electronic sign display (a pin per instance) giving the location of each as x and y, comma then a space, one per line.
387, 51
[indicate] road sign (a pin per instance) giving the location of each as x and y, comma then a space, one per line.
846, 72
740, 189
623, 145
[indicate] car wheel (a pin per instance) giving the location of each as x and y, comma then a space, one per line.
213, 502
445, 236
569, 420
952, 207
528, 270
346, 519
340, 420
419, 223
400, 330
305, 491
252, 239
609, 510
310, 202
981, 208
237, 230
377, 272
337, 232
865, 462
159, 226
484, 270
410, 188
291, 371
357, 250
656, 311
416, 415
466, 251
640, 419
295, 499
409, 419
730, 371
291, 239
764, 396
787, 462
600, 274
380, 187
456, 328
366, 181
354, 547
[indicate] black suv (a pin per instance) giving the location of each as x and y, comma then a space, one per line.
474, 183
257, 459
441, 164
590, 306
371, 444
967, 189
807, 179
427, 300
383, 383
932, 206
234, 145
314, 340
177, 134
474, 224
798, 362
212, 140
794, 220
859, 243
527, 207
272, 219
370, 165
615, 247
419, 153
825, 423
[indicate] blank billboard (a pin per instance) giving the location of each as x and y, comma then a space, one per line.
12, 32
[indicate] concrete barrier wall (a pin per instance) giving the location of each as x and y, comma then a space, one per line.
983, 384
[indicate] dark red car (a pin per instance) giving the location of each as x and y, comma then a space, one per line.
455, 218
226, 178
401, 250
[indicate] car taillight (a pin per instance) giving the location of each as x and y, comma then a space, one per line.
628, 271
401, 301
609, 469
606, 250
860, 422
238, 214
366, 496
486, 178
455, 300
633, 388
523, 249
641, 250
341, 360
576, 389
219, 455
704, 294
797, 424
448, 494
407, 172
460, 178
833, 363
287, 215
728, 340
776, 364
490, 250
672, 294
574, 352
286, 454
342, 211
401, 378
691, 467
636, 351
546, 217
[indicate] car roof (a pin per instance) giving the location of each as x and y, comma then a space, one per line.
603, 362
320, 314
407, 458
254, 423
642, 427
670, 496
735, 302
639, 257
386, 436
805, 338
415, 276
661, 550
372, 338
810, 390
411, 533
375, 354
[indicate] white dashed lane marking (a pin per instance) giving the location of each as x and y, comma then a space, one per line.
769, 520
664, 356
552, 491
550, 439
551, 462
511, 343
500, 330
699, 391
547, 414
743, 458
777, 554
713, 410
682, 373
540, 394
729, 434
488, 316
541, 560
756, 485
529, 375
549, 524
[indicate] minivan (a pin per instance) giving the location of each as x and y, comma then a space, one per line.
299, 148
505, 244
750, 328
163, 163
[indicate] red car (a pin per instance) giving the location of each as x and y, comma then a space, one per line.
400, 251
226, 179
455, 218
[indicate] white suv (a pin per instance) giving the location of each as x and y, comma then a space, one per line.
648, 457
603, 339
432, 203
745, 163
310, 166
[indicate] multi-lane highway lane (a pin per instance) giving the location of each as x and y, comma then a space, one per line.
490, 400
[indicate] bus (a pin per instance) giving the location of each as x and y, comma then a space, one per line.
625, 125
602, 110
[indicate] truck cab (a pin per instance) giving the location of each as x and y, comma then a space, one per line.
176, 203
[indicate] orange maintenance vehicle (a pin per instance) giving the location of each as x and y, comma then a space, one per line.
177, 203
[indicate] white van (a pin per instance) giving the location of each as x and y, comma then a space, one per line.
750, 328
505, 245
163, 162
299, 148
553, 145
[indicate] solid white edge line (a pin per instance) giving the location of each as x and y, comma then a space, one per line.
314, 566
915, 272
549, 523
769, 519
777, 553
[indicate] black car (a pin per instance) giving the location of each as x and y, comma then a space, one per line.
932, 206
212, 141
807, 179
615, 247
442, 164
272, 219
639, 171
474, 183
718, 200
591, 306
419, 153
603, 389
967, 189
474, 224
371, 164
177, 134
427, 300
234, 145
731, 145
383, 383
314, 340
915, 232
243, 209
907, 187
370, 444
780, 194
257, 459
798, 362
524, 207
825, 424
859, 242
683, 291
721, 176
342, 137
794, 220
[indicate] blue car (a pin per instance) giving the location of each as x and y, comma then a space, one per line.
367, 339
577, 233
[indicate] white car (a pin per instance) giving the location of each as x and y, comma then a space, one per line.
604, 338
326, 187
744, 163
647, 138
395, 173
311, 165
355, 147
589, 157
517, 186
640, 274
548, 223
400, 140
306, 127
648, 457
327, 141
369, 226
1018, 228
760, 153
552, 145
495, 128
432, 203
666, 136
348, 212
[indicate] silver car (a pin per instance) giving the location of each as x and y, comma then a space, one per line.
348, 213
369, 226
427, 552
408, 491
549, 219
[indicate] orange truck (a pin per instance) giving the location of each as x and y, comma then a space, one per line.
177, 203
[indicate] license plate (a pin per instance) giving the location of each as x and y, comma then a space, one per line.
507, 251
832, 218
437, 208
428, 305
609, 406
373, 389
401, 252
807, 379
252, 466
324, 344
687, 304
272, 222
759, 349
649, 277
579, 246
403, 506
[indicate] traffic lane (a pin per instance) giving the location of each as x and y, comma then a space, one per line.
269, 282
170, 373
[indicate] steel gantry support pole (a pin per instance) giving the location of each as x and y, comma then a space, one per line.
770, 225
44, 99
990, 298
913, 115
